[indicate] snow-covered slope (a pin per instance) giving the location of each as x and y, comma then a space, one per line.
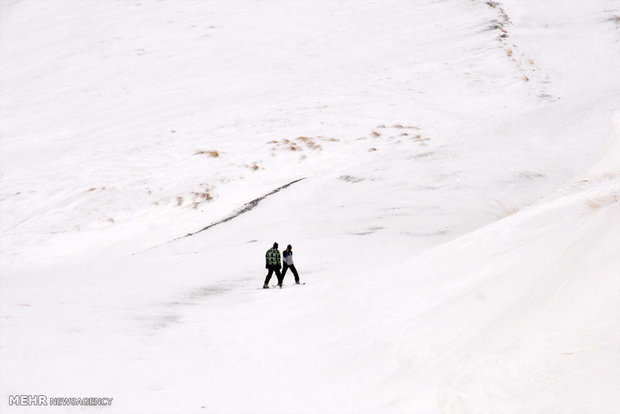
456, 220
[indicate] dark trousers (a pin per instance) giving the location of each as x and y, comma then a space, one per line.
292, 267
278, 274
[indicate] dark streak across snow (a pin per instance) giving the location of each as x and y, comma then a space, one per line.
245, 208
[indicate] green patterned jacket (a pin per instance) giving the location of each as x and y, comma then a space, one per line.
272, 258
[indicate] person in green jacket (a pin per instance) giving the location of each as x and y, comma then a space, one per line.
273, 264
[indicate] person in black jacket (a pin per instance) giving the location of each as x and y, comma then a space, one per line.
272, 263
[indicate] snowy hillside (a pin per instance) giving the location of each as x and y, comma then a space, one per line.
446, 171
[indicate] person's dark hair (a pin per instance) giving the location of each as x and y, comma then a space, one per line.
275, 245
289, 247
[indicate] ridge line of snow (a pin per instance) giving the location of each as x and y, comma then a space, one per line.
593, 187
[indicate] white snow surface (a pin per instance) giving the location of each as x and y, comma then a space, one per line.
456, 221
